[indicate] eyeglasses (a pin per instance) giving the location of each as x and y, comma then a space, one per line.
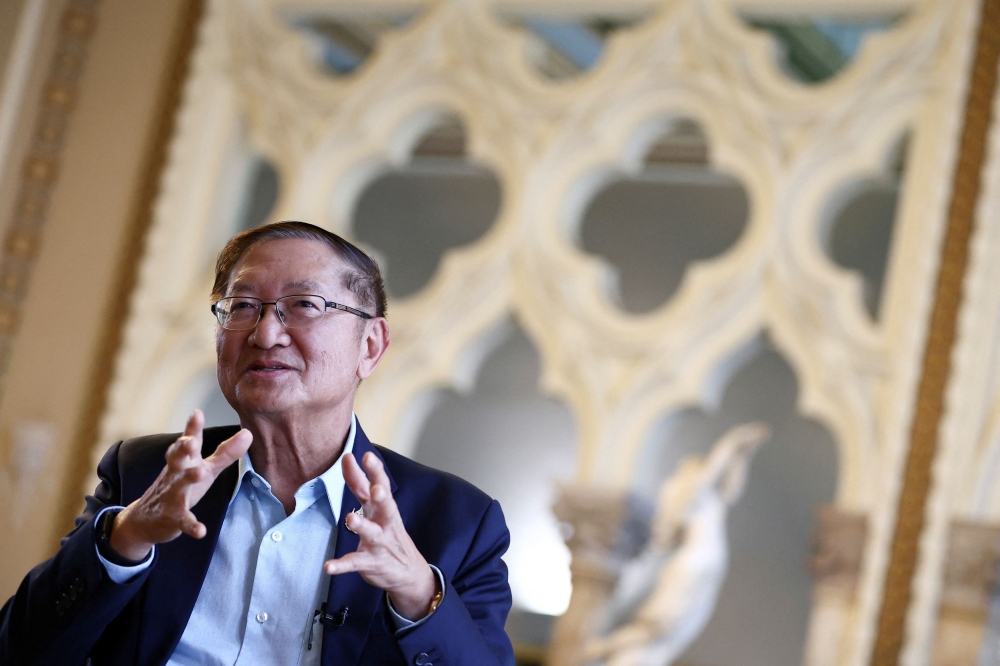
242, 313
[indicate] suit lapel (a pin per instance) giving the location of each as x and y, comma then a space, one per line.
343, 645
178, 574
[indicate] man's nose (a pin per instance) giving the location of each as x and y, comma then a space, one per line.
270, 330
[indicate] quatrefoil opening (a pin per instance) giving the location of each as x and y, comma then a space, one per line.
341, 42
261, 191
564, 45
815, 49
859, 224
651, 226
438, 201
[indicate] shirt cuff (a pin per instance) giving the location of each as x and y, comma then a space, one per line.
117, 572
400, 622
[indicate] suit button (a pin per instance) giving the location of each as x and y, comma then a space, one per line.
422, 659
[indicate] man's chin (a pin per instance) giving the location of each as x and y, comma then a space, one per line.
256, 401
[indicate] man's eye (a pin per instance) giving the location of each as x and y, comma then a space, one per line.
243, 306
305, 305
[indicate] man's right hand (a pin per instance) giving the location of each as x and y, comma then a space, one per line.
164, 510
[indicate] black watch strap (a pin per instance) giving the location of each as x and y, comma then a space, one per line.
102, 533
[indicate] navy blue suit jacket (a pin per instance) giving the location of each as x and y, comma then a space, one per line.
67, 609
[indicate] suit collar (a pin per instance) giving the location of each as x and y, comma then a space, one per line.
343, 645
176, 579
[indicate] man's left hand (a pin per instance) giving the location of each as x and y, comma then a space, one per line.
386, 556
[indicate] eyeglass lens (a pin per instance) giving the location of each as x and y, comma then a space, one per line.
243, 312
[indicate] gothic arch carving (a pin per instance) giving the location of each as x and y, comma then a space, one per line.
550, 145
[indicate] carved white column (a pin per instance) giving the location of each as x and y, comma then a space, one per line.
969, 579
604, 528
838, 547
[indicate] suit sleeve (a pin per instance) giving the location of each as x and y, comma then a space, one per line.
64, 604
468, 626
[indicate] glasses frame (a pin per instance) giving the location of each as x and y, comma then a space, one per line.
330, 305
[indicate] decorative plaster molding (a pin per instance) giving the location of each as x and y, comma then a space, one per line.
41, 167
838, 547
16, 74
552, 146
966, 469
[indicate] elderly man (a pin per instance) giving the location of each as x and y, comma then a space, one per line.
269, 543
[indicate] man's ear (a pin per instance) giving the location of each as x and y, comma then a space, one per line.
374, 342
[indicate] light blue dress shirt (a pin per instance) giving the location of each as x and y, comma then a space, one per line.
266, 578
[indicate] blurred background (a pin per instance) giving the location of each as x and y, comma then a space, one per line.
610, 229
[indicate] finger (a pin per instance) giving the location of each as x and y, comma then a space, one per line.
195, 428
189, 444
180, 454
195, 424
346, 564
381, 489
190, 525
367, 530
355, 479
229, 451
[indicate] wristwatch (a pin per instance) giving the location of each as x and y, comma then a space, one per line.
436, 600
102, 532
103, 528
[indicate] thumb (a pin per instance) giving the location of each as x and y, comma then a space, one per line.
230, 451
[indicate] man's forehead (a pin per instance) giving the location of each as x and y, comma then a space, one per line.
249, 286
309, 267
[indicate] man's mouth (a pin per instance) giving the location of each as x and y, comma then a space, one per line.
268, 367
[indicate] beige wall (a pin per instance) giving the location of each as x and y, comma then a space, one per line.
10, 15
93, 204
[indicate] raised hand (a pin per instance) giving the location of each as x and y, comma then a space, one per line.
386, 556
163, 512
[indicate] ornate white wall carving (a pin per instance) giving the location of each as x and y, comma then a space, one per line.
966, 474
552, 145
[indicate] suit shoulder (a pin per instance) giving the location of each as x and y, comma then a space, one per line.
152, 448
408, 472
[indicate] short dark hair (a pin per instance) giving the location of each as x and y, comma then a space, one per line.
364, 281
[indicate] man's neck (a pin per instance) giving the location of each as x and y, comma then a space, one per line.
289, 451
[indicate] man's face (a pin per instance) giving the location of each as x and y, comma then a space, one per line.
272, 369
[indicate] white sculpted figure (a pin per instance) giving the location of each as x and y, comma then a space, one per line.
688, 552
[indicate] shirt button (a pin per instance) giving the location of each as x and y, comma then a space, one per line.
422, 659
262, 617
255, 482
275, 536
253, 496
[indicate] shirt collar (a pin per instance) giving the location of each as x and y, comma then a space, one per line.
331, 481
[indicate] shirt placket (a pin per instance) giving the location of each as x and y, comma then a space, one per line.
274, 630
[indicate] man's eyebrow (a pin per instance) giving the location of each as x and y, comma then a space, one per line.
304, 284
242, 289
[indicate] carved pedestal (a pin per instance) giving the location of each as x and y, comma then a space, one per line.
838, 547
603, 528
969, 580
